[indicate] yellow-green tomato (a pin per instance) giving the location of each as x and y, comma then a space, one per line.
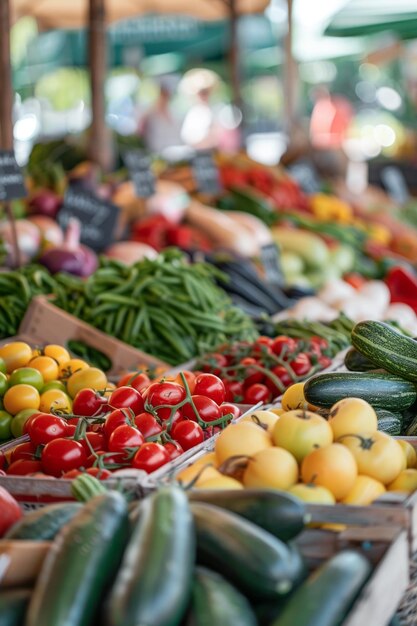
3, 367
26, 376
4, 384
19, 421
54, 384
5, 425
273, 468
300, 432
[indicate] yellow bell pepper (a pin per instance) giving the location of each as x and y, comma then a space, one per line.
328, 208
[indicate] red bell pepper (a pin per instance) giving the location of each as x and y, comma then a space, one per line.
402, 284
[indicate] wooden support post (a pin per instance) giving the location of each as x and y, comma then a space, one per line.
6, 95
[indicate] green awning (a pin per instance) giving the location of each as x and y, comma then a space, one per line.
367, 17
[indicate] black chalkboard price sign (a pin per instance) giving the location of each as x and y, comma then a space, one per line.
98, 217
395, 183
206, 172
306, 176
272, 264
139, 164
12, 184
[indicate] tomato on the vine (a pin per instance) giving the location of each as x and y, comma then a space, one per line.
324, 361
211, 386
117, 418
61, 455
284, 346
301, 365
165, 393
257, 393
188, 434
96, 441
165, 414
251, 375
234, 390
23, 467
319, 342
207, 409
127, 398
123, 437
150, 457
148, 425
283, 375
88, 402
216, 362
227, 407
44, 428
109, 459
174, 449
190, 378
137, 380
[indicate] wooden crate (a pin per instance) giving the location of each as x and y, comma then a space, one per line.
387, 550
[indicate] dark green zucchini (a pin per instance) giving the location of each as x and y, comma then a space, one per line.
279, 513
81, 564
387, 348
13, 605
153, 586
357, 362
385, 391
215, 602
45, 523
327, 595
258, 563
411, 430
390, 423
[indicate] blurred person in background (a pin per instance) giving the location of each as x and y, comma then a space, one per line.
161, 125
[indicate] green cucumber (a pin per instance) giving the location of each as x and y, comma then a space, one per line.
258, 563
390, 423
279, 513
80, 565
327, 595
45, 523
153, 586
216, 602
387, 348
385, 391
13, 604
356, 362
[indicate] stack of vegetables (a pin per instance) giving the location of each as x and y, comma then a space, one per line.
171, 561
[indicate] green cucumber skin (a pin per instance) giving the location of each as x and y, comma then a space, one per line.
390, 423
80, 565
327, 595
153, 586
387, 348
259, 564
13, 604
45, 523
280, 514
356, 362
216, 602
385, 391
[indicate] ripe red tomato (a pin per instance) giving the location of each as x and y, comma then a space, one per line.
117, 418
71, 428
3, 461
98, 472
88, 402
257, 393
23, 451
188, 434
10, 511
174, 449
61, 455
111, 459
165, 414
23, 467
71, 474
207, 409
44, 428
29, 420
319, 342
324, 361
165, 393
216, 362
210, 431
127, 398
227, 407
234, 390
301, 365
96, 441
150, 457
251, 375
281, 372
123, 437
148, 425
284, 346
210, 386
263, 345
139, 381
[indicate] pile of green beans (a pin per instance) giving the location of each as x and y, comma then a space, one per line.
166, 307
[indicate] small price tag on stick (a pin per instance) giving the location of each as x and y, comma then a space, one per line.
98, 217
395, 183
272, 265
206, 172
12, 183
139, 164
304, 173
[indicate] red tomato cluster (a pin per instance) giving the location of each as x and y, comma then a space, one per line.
142, 425
261, 371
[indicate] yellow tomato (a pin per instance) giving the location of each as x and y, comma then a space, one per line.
276, 410
92, 378
300, 432
21, 397
273, 468
55, 399
220, 482
15, 354
58, 353
312, 493
294, 398
364, 491
406, 481
68, 368
209, 458
265, 419
352, 415
241, 439
190, 473
377, 455
46, 366
409, 452
333, 467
